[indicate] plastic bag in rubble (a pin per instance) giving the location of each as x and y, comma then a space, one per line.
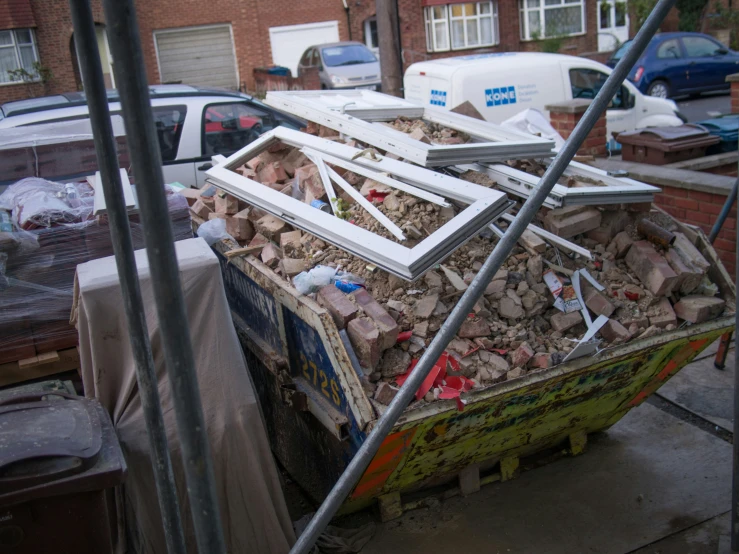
35, 202
314, 280
214, 230
534, 122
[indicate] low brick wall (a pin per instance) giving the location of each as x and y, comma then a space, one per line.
734, 81
564, 116
725, 163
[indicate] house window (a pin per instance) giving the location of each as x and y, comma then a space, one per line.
460, 26
370, 34
17, 51
551, 18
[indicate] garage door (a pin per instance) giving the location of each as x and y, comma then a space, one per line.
201, 56
290, 41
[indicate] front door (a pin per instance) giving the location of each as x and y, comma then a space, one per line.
613, 24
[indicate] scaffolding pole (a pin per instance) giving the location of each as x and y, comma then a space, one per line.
385, 423
130, 75
120, 234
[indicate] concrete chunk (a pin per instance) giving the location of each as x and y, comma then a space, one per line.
473, 328
271, 255
509, 309
342, 309
364, 337
689, 276
562, 322
620, 245
292, 266
532, 241
651, 268
612, 222
384, 321
571, 221
689, 252
395, 361
697, 309
522, 355
385, 393
426, 306
661, 314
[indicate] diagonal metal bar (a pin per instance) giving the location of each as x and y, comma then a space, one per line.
130, 75
372, 443
120, 234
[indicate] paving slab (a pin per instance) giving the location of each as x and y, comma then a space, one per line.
704, 538
704, 390
649, 477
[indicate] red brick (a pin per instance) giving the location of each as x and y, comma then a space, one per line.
675, 192
707, 208
727, 234
385, 323
364, 338
724, 244
342, 309
702, 196
697, 217
651, 268
685, 203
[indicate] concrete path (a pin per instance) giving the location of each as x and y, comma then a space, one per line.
655, 483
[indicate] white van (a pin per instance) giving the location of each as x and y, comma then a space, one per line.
501, 85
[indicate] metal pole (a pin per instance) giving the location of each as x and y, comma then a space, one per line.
367, 451
724, 212
120, 234
130, 75
735, 459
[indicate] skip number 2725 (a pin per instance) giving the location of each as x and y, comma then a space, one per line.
319, 379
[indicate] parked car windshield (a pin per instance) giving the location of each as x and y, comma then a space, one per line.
352, 54
621, 51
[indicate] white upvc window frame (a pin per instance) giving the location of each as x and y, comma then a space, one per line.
609, 190
447, 20
15, 45
362, 114
483, 204
541, 9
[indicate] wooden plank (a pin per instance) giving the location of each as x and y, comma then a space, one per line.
13, 372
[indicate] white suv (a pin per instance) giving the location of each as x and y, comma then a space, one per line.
192, 123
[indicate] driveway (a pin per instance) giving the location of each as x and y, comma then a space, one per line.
705, 106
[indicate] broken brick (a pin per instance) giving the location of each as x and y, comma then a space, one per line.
598, 304
192, 195
614, 332
540, 361
689, 277
342, 309
620, 245
522, 355
385, 393
385, 323
473, 328
651, 268
364, 338
292, 266
562, 322
226, 204
697, 309
271, 255
201, 209
271, 227
661, 314
612, 222
571, 221
515, 373
425, 306
394, 362
239, 226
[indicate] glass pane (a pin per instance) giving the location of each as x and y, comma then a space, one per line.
486, 30
457, 10
469, 9
5, 38
669, 49
440, 36
534, 25
472, 37
23, 36
7, 63
532, 3
586, 83
696, 47
604, 21
457, 34
563, 21
27, 58
620, 14
439, 12
429, 34
552, 2
484, 7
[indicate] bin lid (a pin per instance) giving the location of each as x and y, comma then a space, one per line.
669, 139
55, 443
727, 125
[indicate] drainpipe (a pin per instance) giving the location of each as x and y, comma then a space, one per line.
348, 19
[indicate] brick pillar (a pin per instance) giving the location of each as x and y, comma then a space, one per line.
564, 116
734, 81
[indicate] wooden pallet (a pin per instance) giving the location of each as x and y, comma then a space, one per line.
42, 365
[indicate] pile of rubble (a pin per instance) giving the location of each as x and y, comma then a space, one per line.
534, 311
428, 132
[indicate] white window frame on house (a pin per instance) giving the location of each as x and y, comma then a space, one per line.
527, 7
16, 46
442, 17
368, 34
483, 205
363, 115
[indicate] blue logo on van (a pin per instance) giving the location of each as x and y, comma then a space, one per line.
500, 96
438, 97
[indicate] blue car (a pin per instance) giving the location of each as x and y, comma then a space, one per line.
676, 64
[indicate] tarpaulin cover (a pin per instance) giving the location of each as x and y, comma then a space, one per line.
253, 510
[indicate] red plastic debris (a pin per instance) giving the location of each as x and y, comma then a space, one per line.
454, 363
447, 393
428, 382
499, 351
404, 336
374, 195
598, 265
630, 295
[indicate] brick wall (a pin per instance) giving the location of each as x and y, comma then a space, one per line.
702, 209
250, 20
565, 116
734, 82
413, 31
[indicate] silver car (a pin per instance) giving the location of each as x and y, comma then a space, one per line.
343, 65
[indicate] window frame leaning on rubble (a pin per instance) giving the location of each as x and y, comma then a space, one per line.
616, 190
482, 205
361, 114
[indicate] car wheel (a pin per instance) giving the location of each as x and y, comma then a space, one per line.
660, 89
